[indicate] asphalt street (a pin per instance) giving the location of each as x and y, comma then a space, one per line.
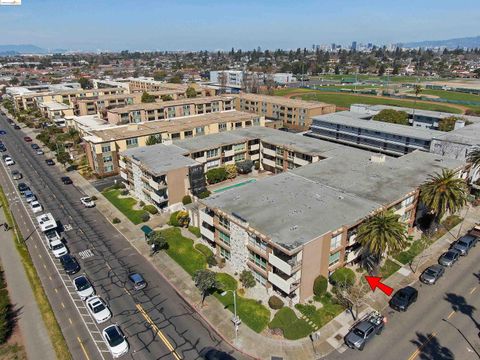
156, 320
421, 332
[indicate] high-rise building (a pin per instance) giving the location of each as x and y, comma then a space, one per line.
354, 45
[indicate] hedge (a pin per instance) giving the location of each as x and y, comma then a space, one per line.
320, 285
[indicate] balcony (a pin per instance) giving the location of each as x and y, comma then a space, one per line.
157, 185
351, 240
286, 285
227, 153
207, 233
269, 162
255, 147
124, 175
352, 255
300, 162
288, 267
122, 163
204, 217
158, 198
270, 152
255, 157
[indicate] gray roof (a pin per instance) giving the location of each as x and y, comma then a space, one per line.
468, 135
160, 158
355, 120
291, 209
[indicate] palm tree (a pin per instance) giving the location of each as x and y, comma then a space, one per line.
382, 233
443, 193
474, 157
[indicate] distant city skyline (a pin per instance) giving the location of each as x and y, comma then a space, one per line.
220, 25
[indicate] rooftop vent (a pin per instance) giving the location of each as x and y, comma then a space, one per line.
378, 158
294, 227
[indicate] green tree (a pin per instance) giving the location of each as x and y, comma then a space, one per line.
381, 70
158, 239
231, 170
206, 281
152, 140
448, 123
392, 116
85, 83
474, 156
191, 92
442, 193
147, 98
320, 285
63, 157
343, 275
166, 97
176, 79
159, 75
247, 279
382, 233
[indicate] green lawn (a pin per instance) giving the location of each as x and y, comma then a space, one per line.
450, 95
195, 231
125, 205
293, 328
323, 315
389, 268
252, 313
182, 251
345, 100
363, 77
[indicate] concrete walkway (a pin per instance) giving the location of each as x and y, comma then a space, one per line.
32, 328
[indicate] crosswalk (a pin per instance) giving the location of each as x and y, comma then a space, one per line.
85, 254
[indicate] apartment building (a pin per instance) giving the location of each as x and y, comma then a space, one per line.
54, 110
103, 146
295, 114
165, 110
161, 175
150, 85
353, 129
101, 104
229, 78
290, 228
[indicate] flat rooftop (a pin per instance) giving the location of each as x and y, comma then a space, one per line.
283, 101
90, 122
54, 105
159, 158
163, 104
352, 119
469, 135
171, 126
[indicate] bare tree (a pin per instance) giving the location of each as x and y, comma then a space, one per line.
222, 81
269, 83
351, 296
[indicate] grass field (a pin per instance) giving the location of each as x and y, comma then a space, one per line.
451, 95
363, 77
125, 205
345, 100
293, 328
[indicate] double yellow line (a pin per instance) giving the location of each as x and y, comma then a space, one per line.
158, 332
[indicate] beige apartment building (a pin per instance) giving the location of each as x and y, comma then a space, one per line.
150, 85
103, 146
290, 228
165, 110
295, 114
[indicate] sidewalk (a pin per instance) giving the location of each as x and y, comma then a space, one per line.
32, 328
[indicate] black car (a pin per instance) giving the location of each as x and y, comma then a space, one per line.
16, 127
403, 298
66, 180
35, 146
70, 264
22, 187
50, 162
3, 148
210, 353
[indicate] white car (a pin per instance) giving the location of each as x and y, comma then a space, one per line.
98, 309
87, 201
9, 161
58, 248
115, 340
52, 235
83, 287
39, 152
29, 197
35, 206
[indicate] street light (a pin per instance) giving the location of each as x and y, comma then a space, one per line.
464, 337
236, 320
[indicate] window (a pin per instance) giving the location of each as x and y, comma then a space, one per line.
408, 201
225, 238
175, 136
258, 243
222, 127
108, 168
200, 130
239, 157
239, 147
257, 260
223, 221
334, 258
336, 241
225, 253
212, 153
106, 148
212, 164
278, 162
107, 158
259, 277
280, 151
131, 143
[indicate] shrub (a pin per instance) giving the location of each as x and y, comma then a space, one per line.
231, 170
204, 194
145, 217
115, 220
124, 192
151, 209
204, 249
257, 165
216, 175
182, 218
247, 279
244, 167
211, 261
93, 198
275, 302
118, 185
195, 231
320, 285
141, 203
173, 219
343, 276
186, 200
392, 116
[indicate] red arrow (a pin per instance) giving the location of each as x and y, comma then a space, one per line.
374, 282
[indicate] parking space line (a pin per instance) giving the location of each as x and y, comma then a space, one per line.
473, 290
450, 315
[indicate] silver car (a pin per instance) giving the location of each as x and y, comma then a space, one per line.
464, 244
432, 274
449, 258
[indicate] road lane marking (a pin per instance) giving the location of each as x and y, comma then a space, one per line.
416, 352
128, 292
70, 321
63, 305
83, 348
56, 290
473, 290
451, 314
158, 332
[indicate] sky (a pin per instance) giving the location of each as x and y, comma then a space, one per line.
223, 24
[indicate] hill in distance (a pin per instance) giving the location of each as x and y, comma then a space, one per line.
466, 42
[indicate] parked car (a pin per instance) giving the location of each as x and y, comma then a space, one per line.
35, 146
50, 162
70, 264
431, 274
27, 139
210, 353
464, 244
364, 330
98, 309
87, 201
29, 196
16, 175
39, 152
3, 148
403, 298
115, 340
3, 132
52, 235
36, 207
449, 258
16, 127
66, 180
83, 287
9, 161
58, 248
22, 187
137, 281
